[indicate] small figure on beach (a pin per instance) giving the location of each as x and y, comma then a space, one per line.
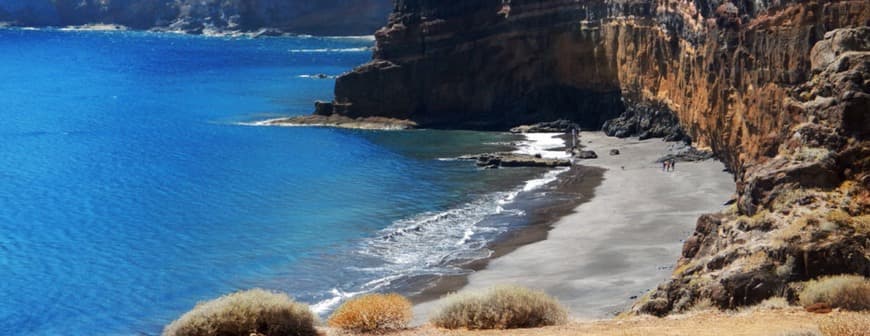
669, 165
573, 138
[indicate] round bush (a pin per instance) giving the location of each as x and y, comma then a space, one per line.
373, 313
245, 313
503, 307
850, 292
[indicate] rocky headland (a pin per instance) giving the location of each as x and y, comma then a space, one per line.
778, 90
254, 17
339, 121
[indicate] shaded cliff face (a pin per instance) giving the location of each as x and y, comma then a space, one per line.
780, 90
325, 17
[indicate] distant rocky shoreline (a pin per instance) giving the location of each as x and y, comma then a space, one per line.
254, 18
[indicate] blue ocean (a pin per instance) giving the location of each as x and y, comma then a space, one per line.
131, 187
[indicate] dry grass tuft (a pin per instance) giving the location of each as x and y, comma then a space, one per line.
846, 325
503, 307
244, 313
851, 292
774, 303
373, 313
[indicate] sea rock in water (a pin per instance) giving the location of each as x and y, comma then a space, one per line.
495, 160
558, 126
614, 152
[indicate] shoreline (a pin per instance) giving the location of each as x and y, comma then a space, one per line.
557, 253
513, 217
570, 189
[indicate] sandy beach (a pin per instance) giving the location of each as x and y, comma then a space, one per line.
620, 243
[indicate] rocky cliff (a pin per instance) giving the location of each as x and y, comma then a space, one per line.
323, 17
779, 89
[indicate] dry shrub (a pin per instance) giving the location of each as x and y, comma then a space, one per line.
773, 303
776, 302
373, 313
702, 305
851, 292
502, 307
245, 313
846, 325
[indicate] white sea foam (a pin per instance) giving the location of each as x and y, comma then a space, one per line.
546, 144
549, 177
318, 76
330, 303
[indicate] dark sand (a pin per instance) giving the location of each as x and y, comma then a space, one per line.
572, 188
612, 247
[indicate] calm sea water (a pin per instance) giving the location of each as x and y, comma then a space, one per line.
129, 191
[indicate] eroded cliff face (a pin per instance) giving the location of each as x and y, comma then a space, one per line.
780, 90
325, 17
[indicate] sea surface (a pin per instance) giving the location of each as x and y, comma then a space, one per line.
131, 189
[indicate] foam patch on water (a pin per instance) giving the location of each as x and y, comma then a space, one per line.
330, 303
549, 145
317, 76
549, 177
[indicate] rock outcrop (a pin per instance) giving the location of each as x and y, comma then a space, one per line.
558, 126
261, 17
496, 160
779, 90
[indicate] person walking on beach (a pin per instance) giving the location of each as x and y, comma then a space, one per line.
673, 164
573, 138
664, 165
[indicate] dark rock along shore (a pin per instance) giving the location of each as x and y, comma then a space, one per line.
269, 17
778, 90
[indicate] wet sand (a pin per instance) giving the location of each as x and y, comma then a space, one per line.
618, 244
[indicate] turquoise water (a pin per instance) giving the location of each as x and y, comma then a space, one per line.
129, 190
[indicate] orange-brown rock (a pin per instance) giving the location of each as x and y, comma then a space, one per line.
818, 308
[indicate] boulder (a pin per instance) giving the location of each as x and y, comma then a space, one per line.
681, 151
818, 308
496, 160
586, 154
614, 152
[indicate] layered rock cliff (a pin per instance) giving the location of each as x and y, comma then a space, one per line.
778, 89
324, 17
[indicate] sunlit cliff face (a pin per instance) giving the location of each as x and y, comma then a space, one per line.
778, 89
